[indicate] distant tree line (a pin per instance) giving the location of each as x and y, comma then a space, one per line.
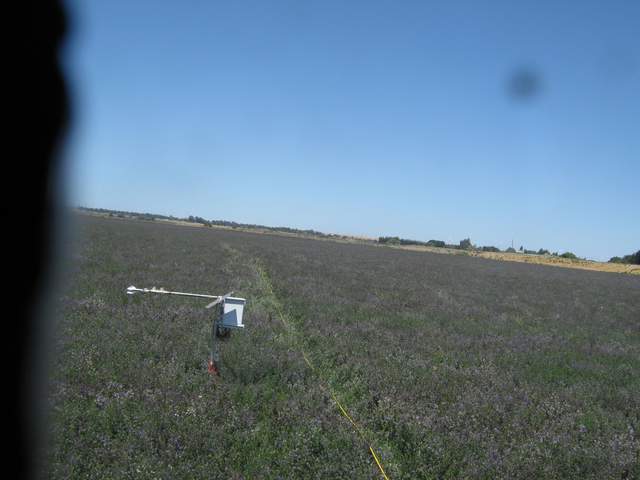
464, 244
633, 259
399, 241
209, 223
201, 220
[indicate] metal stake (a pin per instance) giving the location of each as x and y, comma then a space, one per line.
214, 355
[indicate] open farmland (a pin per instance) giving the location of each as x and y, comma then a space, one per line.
453, 366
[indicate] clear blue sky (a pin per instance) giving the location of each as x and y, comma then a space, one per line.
364, 117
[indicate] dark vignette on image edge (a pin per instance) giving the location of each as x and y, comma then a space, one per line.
40, 117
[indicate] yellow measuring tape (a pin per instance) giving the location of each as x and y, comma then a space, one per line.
333, 396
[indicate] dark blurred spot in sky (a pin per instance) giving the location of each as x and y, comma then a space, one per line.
524, 84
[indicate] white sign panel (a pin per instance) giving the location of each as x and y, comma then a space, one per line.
232, 314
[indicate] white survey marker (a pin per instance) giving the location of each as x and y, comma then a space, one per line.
228, 312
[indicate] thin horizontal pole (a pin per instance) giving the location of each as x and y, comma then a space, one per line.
131, 290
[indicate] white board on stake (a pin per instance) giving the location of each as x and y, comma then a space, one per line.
232, 314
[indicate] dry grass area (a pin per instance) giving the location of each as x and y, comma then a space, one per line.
535, 259
531, 258
562, 262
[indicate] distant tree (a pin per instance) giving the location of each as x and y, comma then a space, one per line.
510, 250
490, 249
633, 259
389, 240
542, 251
521, 248
436, 243
569, 255
406, 241
466, 244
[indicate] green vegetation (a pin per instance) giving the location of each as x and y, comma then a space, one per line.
542, 251
436, 243
398, 241
633, 259
405, 241
201, 220
453, 366
466, 244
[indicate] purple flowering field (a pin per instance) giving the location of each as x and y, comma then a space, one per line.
453, 366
